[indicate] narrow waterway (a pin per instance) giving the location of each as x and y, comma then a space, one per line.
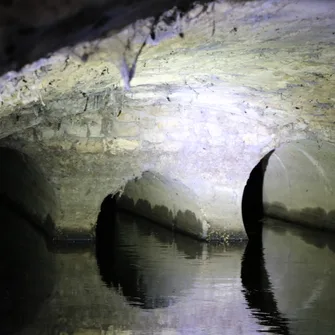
143, 279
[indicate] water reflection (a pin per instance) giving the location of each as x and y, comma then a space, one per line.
283, 285
288, 277
301, 267
148, 264
27, 272
258, 290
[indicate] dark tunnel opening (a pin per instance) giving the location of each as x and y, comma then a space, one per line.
25, 190
132, 256
27, 272
118, 263
252, 200
26, 265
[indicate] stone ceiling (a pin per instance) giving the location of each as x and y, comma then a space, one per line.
281, 54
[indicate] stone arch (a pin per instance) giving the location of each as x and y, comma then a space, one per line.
295, 183
165, 201
299, 184
26, 191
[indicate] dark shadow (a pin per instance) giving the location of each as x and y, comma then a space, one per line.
106, 239
72, 246
68, 241
117, 267
252, 200
25, 43
26, 191
163, 216
27, 272
126, 263
257, 290
160, 214
45, 229
314, 218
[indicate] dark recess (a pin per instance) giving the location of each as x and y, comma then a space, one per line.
118, 268
252, 200
120, 263
27, 272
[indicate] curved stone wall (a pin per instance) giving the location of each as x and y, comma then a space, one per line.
299, 184
165, 201
25, 190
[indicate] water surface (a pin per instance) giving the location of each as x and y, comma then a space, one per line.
143, 279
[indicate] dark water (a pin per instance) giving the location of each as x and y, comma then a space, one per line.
143, 279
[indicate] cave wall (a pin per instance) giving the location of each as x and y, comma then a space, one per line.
202, 109
178, 146
25, 190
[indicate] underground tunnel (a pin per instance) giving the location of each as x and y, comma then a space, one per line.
197, 94
294, 183
213, 120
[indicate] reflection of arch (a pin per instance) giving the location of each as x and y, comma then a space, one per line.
26, 191
27, 271
258, 290
139, 258
299, 263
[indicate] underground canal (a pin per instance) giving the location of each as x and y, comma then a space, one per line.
167, 168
